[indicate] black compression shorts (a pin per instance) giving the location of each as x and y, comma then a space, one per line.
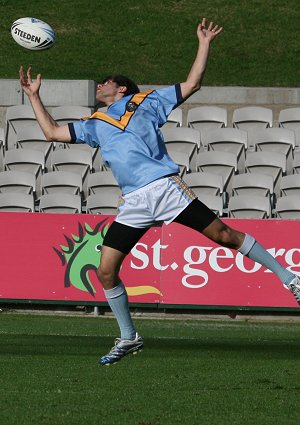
196, 215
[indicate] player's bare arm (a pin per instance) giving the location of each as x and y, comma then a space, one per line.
53, 132
195, 77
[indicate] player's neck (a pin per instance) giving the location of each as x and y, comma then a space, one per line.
112, 99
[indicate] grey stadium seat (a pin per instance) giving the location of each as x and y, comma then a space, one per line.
229, 140
290, 185
289, 118
205, 183
246, 206
68, 113
102, 204
279, 140
75, 161
181, 159
16, 202
207, 117
61, 181
215, 203
174, 119
18, 117
220, 163
95, 152
2, 148
270, 163
18, 182
185, 140
28, 160
252, 117
102, 182
32, 137
288, 207
253, 184
64, 203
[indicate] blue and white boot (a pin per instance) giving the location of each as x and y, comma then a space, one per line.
121, 348
294, 287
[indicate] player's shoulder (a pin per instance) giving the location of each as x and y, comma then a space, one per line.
167, 90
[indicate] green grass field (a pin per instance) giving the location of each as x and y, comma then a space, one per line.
155, 42
190, 372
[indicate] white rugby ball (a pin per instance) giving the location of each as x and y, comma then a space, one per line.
33, 34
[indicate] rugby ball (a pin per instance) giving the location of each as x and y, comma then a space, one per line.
33, 34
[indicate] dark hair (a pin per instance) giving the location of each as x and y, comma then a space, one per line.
121, 80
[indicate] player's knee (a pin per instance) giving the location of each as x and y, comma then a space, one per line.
105, 275
229, 238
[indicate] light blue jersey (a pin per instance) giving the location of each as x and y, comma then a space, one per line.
128, 134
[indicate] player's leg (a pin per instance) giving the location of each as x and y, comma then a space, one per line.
114, 289
201, 218
117, 243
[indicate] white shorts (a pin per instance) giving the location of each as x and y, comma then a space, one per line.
159, 201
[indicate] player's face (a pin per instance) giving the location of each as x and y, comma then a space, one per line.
106, 90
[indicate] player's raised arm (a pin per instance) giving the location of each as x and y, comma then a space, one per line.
195, 77
53, 132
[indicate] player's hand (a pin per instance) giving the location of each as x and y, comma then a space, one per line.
30, 87
208, 34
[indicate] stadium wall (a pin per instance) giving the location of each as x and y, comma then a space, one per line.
52, 258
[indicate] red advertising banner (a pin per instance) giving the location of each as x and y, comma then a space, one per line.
54, 257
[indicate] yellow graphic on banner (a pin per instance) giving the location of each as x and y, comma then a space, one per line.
142, 290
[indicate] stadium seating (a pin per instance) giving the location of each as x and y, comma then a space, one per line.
28, 160
290, 185
17, 117
288, 207
76, 161
68, 113
2, 148
182, 135
102, 204
215, 203
249, 184
95, 152
221, 164
296, 163
289, 118
181, 159
204, 183
182, 139
252, 117
32, 137
270, 163
61, 182
275, 140
101, 183
207, 117
174, 119
16, 202
17, 182
229, 140
245, 206
60, 203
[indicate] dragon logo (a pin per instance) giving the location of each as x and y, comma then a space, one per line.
82, 255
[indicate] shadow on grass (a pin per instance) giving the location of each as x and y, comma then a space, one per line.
273, 348
30, 345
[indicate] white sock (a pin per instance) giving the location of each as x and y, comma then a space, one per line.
118, 301
252, 249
